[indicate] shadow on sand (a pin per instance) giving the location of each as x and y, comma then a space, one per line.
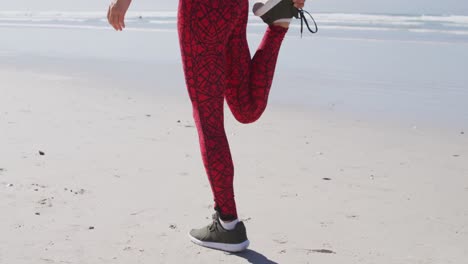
254, 257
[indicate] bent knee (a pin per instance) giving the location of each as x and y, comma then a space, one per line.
246, 119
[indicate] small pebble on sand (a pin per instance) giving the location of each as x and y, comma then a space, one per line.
91, 228
41, 153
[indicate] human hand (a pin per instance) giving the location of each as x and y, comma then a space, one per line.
298, 3
116, 13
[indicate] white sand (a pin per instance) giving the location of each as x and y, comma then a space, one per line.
396, 194
381, 119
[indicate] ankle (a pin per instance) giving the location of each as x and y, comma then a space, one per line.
282, 24
229, 224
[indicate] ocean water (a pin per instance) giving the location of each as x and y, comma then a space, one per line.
400, 67
442, 28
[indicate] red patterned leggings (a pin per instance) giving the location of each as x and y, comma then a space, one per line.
218, 66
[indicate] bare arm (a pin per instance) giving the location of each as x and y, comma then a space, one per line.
118, 9
116, 13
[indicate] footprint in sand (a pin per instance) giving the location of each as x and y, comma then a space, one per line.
80, 191
46, 201
326, 251
321, 250
280, 241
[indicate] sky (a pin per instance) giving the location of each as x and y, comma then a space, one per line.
447, 7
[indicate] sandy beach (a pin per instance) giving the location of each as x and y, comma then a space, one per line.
99, 159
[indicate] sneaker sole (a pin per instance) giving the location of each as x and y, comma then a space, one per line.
265, 7
222, 246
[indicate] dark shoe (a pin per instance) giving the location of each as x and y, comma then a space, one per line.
215, 236
276, 11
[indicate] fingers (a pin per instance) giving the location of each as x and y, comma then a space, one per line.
111, 15
121, 22
115, 17
115, 22
298, 3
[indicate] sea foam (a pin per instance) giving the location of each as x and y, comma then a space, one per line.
418, 25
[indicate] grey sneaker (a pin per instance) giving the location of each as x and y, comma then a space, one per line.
215, 236
274, 11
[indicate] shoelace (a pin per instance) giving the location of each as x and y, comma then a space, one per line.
303, 19
214, 226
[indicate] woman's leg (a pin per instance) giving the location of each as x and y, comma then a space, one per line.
204, 28
249, 80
